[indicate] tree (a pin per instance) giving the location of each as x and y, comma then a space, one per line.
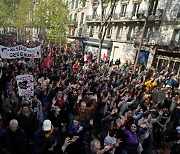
24, 17
105, 22
52, 17
8, 12
49, 15
16, 14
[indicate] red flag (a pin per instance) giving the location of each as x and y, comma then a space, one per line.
48, 60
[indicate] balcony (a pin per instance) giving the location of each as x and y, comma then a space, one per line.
128, 17
93, 18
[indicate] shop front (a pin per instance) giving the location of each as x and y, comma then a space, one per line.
167, 60
92, 46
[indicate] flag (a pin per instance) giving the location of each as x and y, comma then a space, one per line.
48, 60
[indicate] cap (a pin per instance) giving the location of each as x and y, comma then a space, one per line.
168, 86
178, 129
47, 125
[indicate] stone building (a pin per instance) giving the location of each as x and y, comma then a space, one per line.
161, 41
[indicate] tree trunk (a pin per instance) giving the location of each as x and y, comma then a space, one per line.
99, 50
104, 23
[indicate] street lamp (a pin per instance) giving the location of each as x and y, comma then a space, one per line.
144, 9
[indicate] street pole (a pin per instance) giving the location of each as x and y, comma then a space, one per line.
139, 49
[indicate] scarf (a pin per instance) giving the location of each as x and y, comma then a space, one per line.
50, 132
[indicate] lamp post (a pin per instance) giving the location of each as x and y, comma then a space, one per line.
145, 6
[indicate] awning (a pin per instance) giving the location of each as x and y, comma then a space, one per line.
95, 42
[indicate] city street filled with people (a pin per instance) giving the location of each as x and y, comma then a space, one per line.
65, 102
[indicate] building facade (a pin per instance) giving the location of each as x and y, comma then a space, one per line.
161, 37
77, 15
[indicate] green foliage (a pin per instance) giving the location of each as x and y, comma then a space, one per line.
24, 14
8, 12
52, 15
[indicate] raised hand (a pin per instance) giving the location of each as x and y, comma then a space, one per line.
143, 125
80, 129
91, 122
54, 101
79, 96
67, 141
161, 112
74, 138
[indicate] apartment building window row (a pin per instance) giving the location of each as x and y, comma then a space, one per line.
76, 3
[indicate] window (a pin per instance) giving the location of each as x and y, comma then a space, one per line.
80, 32
123, 10
119, 32
176, 37
131, 33
91, 31
104, 12
82, 18
83, 3
109, 32
153, 7
94, 13
135, 9
76, 6
75, 17
72, 4
70, 17
148, 33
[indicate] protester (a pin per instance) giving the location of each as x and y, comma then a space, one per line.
43, 133
13, 139
108, 104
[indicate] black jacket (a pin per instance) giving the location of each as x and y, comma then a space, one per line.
28, 124
13, 143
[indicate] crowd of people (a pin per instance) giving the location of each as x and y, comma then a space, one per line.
81, 107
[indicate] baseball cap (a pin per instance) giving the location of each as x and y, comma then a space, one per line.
47, 125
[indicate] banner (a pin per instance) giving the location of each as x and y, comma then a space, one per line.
19, 52
25, 84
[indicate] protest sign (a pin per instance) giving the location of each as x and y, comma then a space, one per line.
159, 95
19, 52
25, 84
